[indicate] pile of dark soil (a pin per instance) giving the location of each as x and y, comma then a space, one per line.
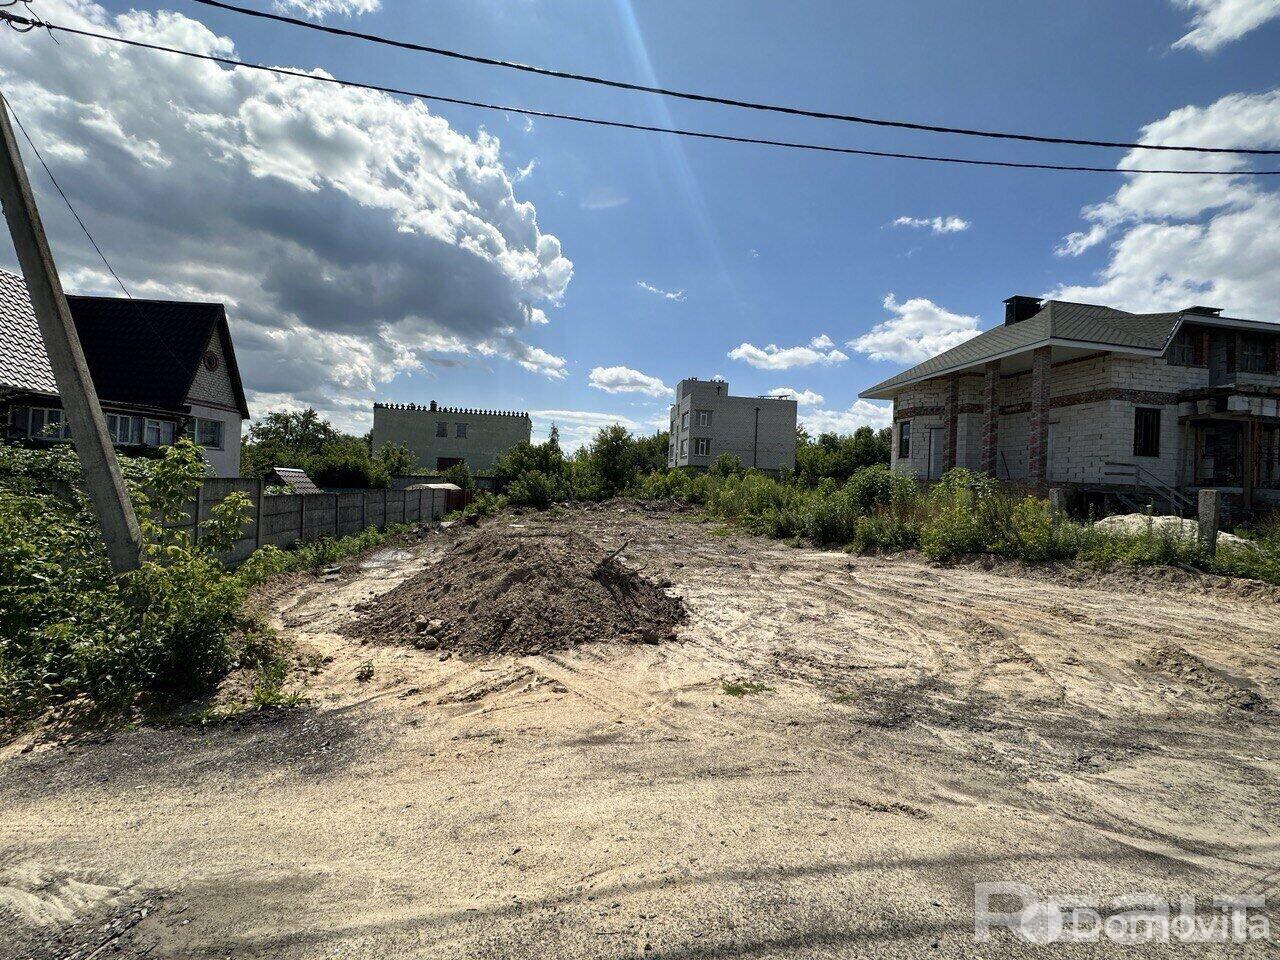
504, 591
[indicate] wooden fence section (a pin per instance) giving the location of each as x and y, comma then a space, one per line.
283, 520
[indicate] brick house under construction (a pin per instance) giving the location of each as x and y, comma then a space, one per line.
1104, 403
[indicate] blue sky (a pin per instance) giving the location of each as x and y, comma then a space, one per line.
681, 251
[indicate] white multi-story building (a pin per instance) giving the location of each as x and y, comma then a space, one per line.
1096, 400
707, 422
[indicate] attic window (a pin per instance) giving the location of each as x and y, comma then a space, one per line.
211, 361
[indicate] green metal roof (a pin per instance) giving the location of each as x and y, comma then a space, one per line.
1083, 323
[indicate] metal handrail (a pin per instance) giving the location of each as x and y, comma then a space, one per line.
1143, 477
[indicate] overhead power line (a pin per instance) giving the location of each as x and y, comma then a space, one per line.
722, 101
618, 124
65, 199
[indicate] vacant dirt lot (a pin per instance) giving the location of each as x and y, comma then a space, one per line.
901, 731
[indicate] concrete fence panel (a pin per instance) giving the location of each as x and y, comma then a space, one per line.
285, 519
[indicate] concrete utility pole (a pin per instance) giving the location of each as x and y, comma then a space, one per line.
98, 462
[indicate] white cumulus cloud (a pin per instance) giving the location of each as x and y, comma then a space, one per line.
676, 295
918, 329
354, 237
861, 413
319, 9
578, 427
934, 224
821, 349
1218, 22
1177, 241
626, 380
803, 397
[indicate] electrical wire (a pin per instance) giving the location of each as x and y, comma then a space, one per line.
618, 124
65, 199
709, 98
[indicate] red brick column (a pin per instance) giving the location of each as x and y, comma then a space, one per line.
951, 416
990, 417
1041, 374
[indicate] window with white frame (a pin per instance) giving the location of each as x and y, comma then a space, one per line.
157, 433
684, 448
43, 423
702, 446
207, 433
124, 429
684, 420
704, 418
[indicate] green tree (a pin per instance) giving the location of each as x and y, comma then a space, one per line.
459, 474
397, 459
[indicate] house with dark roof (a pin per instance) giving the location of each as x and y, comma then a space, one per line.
162, 369
1106, 404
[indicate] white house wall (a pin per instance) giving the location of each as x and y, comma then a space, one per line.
1086, 433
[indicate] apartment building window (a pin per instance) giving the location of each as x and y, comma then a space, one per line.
904, 440
123, 429
208, 433
1146, 432
442, 428
704, 418
1186, 350
1254, 355
684, 447
157, 433
684, 420
461, 431
702, 447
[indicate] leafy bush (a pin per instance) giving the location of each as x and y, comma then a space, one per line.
838, 458
727, 465
459, 474
268, 561
70, 630
347, 464
396, 459
532, 488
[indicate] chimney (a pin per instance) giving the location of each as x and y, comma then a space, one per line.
1019, 308
1204, 311
433, 406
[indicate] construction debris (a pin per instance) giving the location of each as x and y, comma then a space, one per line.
513, 592
1166, 526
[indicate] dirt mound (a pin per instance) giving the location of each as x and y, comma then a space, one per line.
522, 593
1190, 671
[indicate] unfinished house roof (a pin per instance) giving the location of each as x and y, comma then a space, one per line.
295, 478
143, 353
1059, 323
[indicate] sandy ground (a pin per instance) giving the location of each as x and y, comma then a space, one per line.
919, 730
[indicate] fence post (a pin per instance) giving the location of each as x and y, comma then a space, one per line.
384, 508
302, 517
419, 505
1208, 531
337, 530
364, 510
257, 534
